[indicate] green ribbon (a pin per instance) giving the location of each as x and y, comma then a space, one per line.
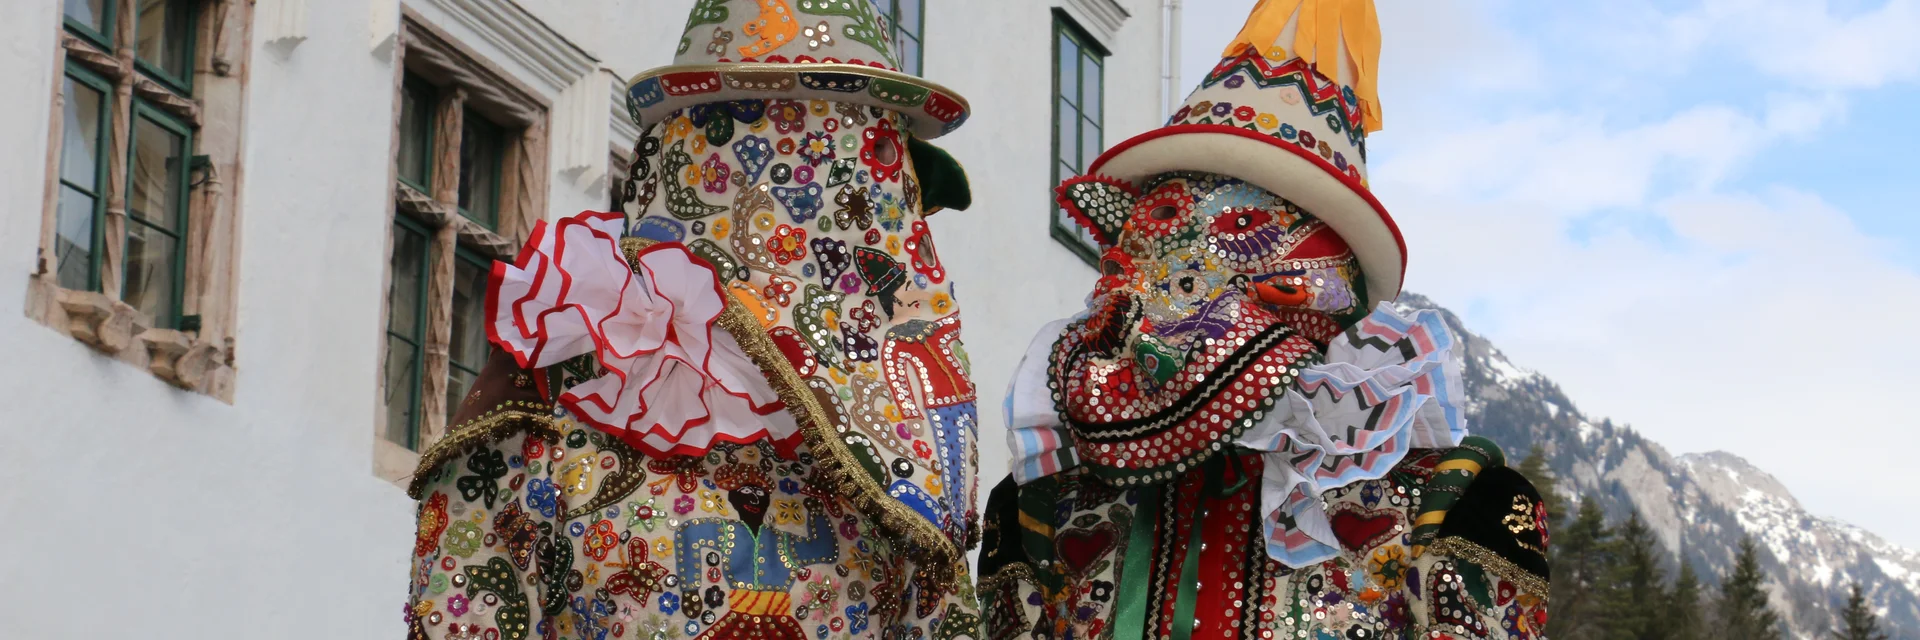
1130, 614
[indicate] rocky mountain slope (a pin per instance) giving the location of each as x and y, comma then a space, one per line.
1698, 504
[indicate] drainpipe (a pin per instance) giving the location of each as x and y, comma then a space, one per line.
1170, 77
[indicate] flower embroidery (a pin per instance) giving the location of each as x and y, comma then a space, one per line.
857, 619
942, 303
891, 215
881, 152
850, 284
642, 515
1389, 567
855, 208
818, 36
683, 505
817, 148
601, 539
866, 317
1266, 121
789, 244
714, 502
780, 290
543, 496
714, 174
457, 605
788, 512
1244, 113
788, 117
463, 538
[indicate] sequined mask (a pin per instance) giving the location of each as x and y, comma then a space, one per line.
812, 214
1213, 296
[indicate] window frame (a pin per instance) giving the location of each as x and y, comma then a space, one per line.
918, 33
182, 213
474, 258
188, 12
102, 170
1062, 231
495, 164
432, 93
103, 39
416, 387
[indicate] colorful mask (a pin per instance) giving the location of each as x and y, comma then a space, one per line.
811, 212
1214, 291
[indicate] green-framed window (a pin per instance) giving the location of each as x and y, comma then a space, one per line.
87, 105
417, 100
483, 144
158, 156
467, 346
163, 36
1079, 79
92, 19
909, 27
410, 264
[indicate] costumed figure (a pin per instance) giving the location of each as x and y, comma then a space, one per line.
740, 407
1242, 436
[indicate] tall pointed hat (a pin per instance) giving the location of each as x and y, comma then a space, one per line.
835, 50
1288, 109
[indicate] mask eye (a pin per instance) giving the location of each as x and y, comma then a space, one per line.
1163, 213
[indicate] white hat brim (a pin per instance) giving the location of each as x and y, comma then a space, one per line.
1285, 169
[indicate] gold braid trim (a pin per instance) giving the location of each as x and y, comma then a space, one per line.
493, 426
1009, 573
1466, 550
926, 544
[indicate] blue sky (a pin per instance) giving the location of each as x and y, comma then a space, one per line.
1697, 216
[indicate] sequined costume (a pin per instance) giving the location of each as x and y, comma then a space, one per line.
1242, 436
739, 408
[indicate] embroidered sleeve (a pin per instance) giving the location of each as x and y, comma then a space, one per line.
1486, 572
483, 519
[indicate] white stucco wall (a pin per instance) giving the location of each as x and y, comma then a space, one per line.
136, 510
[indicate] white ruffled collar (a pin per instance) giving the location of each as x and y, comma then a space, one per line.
1388, 385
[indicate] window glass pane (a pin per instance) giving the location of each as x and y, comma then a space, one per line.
92, 13
469, 341
416, 130
909, 54
73, 239
409, 286
1067, 134
160, 34
80, 144
150, 273
909, 18
159, 161
479, 169
1068, 60
403, 362
1090, 87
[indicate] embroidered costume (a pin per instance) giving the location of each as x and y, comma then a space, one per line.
740, 408
1242, 437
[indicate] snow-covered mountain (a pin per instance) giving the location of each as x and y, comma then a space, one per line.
1697, 504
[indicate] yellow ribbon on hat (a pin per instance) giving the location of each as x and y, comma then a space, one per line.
1324, 29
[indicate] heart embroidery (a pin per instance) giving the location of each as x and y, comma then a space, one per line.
1080, 548
1359, 530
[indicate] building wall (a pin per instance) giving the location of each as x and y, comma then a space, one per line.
138, 510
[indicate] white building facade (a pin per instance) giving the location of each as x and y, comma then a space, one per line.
240, 246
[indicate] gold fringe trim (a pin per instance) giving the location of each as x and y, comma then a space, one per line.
1326, 29
1013, 572
493, 426
1492, 562
926, 544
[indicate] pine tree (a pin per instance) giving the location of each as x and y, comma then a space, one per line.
1683, 607
1858, 619
1581, 560
1634, 593
1742, 609
1536, 471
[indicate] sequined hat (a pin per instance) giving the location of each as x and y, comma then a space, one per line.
1288, 109
835, 50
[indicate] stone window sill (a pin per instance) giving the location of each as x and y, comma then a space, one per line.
183, 359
